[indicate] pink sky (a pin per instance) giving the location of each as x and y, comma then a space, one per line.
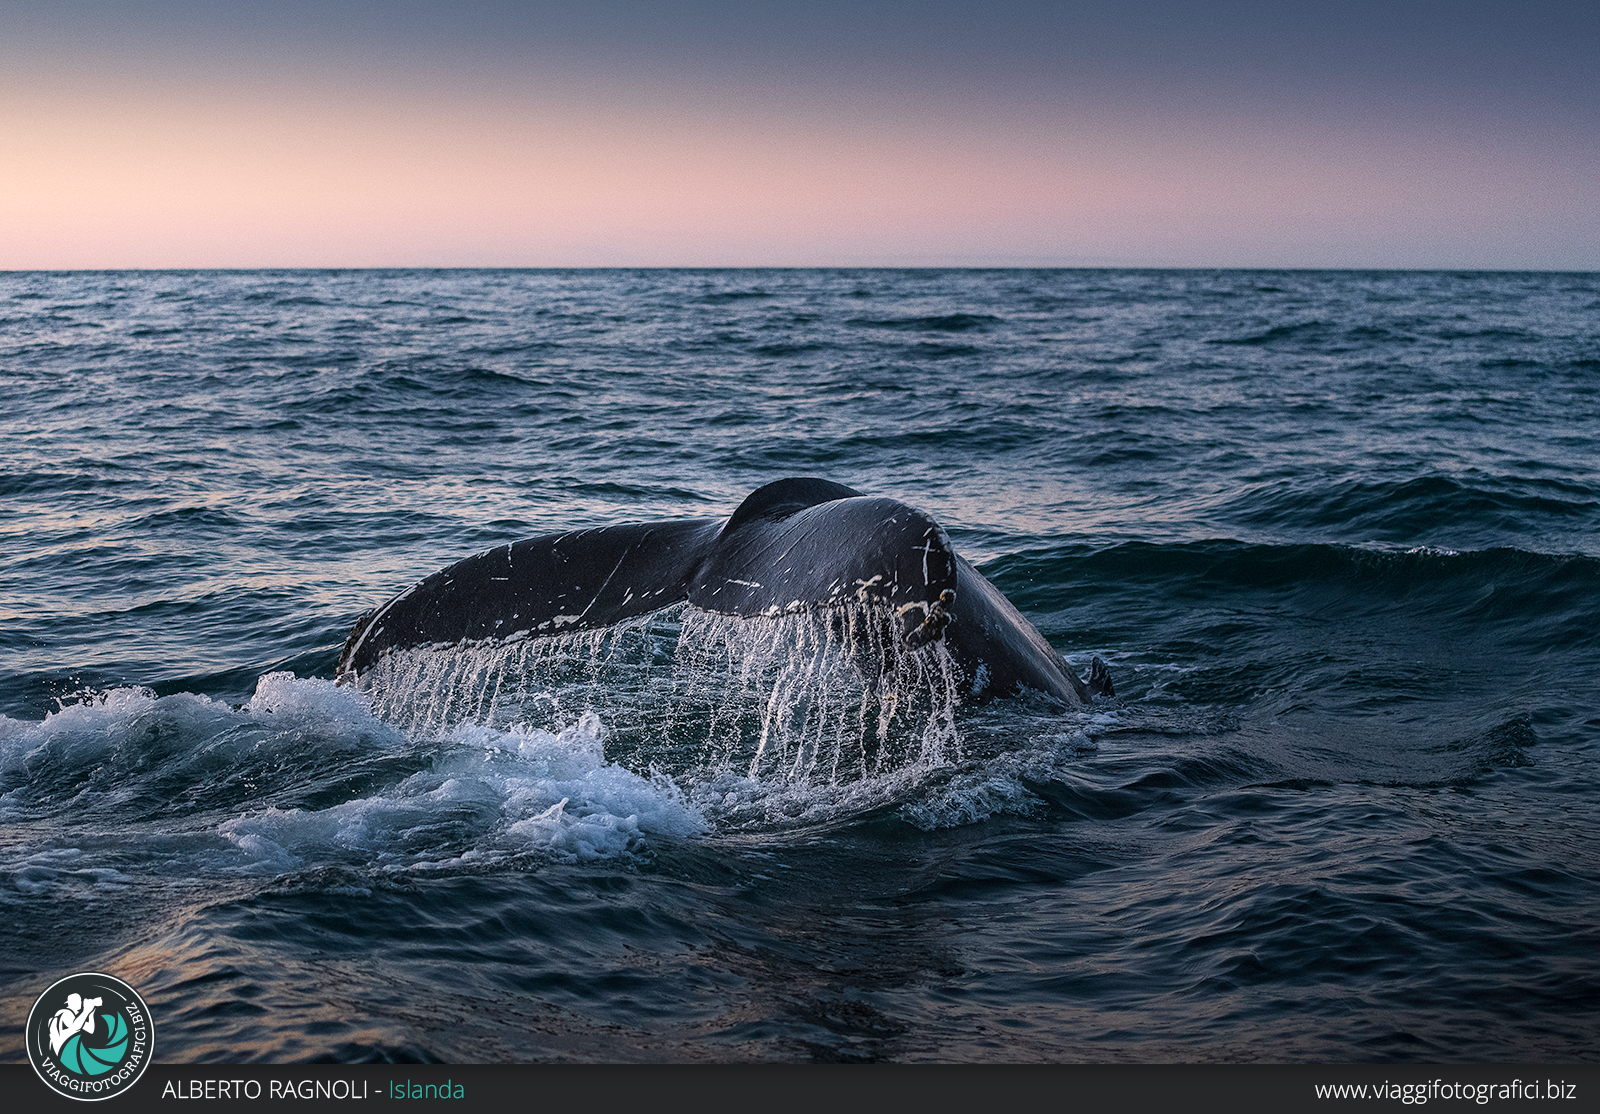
119, 161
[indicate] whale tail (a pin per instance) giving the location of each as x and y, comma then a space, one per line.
792, 545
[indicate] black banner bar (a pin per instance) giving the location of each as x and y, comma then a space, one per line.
1552, 1088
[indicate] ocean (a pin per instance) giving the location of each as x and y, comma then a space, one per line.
1337, 535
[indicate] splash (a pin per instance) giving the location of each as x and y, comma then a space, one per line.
303, 777
489, 796
529, 682
826, 696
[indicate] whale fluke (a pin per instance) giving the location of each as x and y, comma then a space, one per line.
792, 545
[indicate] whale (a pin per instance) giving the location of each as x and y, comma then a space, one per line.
793, 545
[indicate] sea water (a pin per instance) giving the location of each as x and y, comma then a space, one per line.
1336, 533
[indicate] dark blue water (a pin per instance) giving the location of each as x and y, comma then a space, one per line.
1337, 534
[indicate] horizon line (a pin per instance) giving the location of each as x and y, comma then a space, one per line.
1309, 269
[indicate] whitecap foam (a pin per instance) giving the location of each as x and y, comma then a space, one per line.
491, 793
122, 744
286, 694
89, 725
793, 735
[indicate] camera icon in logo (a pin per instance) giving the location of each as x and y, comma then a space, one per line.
90, 1036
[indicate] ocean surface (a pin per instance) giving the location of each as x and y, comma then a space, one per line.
1336, 533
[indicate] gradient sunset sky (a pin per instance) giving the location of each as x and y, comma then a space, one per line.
422, 133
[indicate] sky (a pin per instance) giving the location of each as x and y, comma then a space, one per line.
416, 133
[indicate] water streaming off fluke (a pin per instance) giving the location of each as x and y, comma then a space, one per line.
819, 697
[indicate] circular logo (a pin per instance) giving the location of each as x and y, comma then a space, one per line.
90, 1036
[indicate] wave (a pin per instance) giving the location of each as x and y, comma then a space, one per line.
1418, 507
303, 775
933, 323
725, 297
1500, 582
1328, 663
1427, 641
